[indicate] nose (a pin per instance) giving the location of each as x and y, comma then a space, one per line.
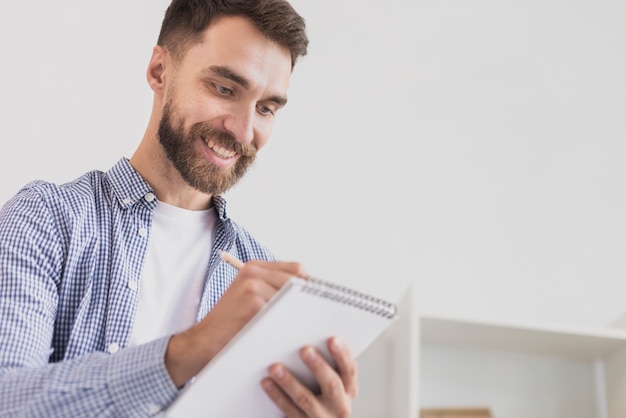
240, 123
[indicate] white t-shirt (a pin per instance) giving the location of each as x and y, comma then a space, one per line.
174, 271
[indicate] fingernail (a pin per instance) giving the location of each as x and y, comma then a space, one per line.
277, 372
309, 354
335, 345
267, 385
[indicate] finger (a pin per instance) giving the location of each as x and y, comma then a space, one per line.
275, 274
281, 399
301, 397
346, 365
294, 268
287, 266
258, 289
331, 384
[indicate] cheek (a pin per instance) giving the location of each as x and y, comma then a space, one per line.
201, 107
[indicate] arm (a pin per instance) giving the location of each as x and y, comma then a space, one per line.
128, 383
131, 383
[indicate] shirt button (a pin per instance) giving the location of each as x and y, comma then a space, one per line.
113, 348
126, 201
149, 197
143, 232
153, 409
132, 285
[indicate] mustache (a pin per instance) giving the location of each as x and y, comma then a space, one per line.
225, 139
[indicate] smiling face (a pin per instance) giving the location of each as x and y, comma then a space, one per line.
220, 101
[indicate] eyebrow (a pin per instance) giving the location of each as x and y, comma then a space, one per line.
228, 73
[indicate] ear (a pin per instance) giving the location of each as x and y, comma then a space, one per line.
157, 67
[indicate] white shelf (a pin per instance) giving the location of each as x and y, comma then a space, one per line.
563, 371
571, 343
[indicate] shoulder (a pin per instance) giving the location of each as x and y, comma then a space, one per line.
73, 195
46, 206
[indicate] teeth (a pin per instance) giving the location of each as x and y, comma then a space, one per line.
220, 151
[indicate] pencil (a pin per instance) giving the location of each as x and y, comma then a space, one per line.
231, 259
238, 264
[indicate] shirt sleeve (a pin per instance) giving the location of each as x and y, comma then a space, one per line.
132, 382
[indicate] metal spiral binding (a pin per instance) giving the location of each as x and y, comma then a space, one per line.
349, 296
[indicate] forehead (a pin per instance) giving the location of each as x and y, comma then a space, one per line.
234, 42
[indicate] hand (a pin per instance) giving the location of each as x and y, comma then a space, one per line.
338, 388
256, 283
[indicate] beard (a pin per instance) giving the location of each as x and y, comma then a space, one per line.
196, 170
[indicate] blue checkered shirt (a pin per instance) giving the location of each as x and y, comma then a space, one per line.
70, 260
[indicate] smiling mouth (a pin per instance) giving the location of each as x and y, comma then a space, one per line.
219, 150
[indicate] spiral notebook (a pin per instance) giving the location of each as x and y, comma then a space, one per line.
302, 312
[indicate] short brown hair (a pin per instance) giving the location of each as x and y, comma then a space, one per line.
186, 20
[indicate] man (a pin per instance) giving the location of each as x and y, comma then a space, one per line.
112, 293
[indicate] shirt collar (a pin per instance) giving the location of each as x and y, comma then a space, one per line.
127, 185
220, 207
129, 188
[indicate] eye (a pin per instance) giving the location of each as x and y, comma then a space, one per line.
224, 91
264, 110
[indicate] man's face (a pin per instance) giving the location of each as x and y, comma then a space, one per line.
221, 102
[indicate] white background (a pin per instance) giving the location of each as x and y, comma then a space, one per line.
474, 148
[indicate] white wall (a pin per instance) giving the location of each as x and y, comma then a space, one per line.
474, 148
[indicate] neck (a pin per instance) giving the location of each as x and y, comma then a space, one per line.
150, 161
